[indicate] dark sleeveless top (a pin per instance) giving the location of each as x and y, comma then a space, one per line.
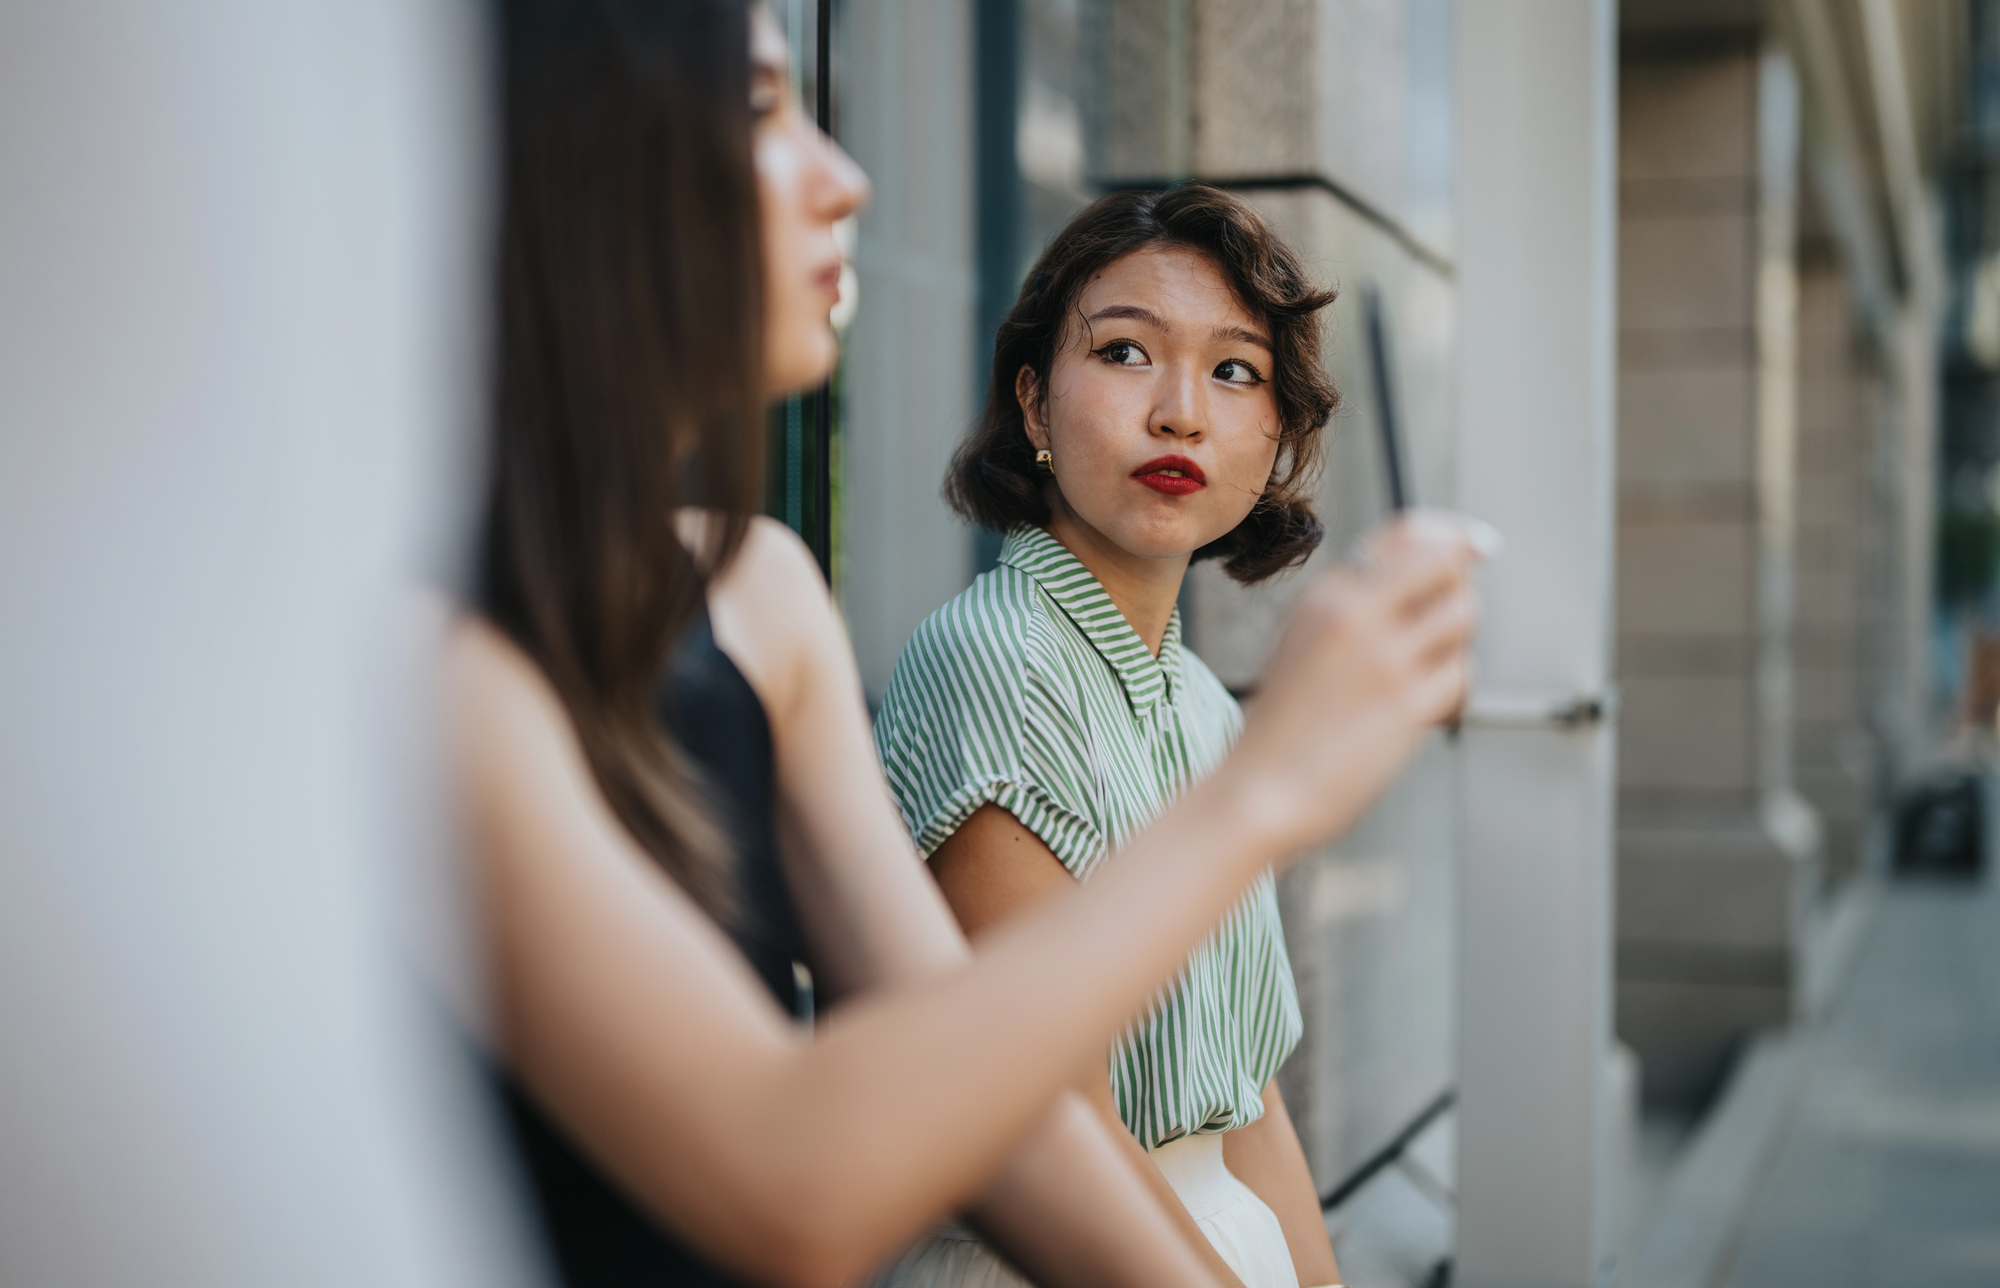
601, 1238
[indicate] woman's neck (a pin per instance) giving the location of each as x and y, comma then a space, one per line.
1143, 589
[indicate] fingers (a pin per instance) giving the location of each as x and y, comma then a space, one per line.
1456, 537
1439, 693
1381, 628
1423, 555
1422, 566
1445, 625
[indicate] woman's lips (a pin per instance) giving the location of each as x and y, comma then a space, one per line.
1171, 476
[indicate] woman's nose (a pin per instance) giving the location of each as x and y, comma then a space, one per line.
841, 186
1181, 410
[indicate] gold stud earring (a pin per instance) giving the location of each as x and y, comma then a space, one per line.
1045, 461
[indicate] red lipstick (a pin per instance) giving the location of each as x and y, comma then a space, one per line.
1171, 475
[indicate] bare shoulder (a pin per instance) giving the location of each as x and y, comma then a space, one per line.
774, 616
771, 552
504, 717
772, 563
481, 664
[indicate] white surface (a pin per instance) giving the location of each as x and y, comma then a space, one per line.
236, 247
1537, 1147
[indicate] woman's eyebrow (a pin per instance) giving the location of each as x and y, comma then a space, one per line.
1243, 334
1140, 313
1134, 312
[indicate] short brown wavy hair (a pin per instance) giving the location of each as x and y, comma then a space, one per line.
993, 481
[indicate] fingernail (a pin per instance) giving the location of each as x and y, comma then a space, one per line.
1484, 538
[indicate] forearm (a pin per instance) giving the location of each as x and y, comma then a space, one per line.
990, 1035
1070, 1211
632, 1017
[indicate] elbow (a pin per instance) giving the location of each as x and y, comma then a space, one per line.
811, 1273
807, 1232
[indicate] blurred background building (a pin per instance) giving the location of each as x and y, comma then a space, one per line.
1795, 534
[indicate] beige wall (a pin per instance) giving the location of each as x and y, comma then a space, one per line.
1757, 504
1687, 386
1716, 853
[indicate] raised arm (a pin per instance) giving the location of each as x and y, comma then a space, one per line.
636, 1023
1069, 1208
993, 869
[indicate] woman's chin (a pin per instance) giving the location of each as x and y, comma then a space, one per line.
1174, 543
803, 367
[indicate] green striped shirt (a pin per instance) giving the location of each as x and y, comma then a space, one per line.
1030, 690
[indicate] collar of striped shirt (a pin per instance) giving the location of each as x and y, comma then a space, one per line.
1147, 681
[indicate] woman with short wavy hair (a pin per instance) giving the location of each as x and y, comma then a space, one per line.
1157, 398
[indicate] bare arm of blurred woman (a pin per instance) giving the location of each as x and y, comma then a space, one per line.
993, 869
806, 1162
1070, 1208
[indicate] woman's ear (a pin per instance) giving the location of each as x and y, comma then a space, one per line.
1028, 392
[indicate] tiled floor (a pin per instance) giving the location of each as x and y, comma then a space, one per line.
1888, 1169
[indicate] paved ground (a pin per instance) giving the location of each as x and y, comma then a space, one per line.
1886, 1169
1862, 1151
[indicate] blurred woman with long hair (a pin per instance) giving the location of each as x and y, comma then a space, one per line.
664, 761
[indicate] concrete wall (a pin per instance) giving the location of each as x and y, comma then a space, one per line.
245, 249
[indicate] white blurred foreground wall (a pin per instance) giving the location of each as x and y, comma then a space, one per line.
1543, 1097
236, 249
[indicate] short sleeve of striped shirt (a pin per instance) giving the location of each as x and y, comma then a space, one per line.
971, 719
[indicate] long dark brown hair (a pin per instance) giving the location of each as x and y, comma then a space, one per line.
993, 480
629, 383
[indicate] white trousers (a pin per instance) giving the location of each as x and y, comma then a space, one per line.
1244, 1231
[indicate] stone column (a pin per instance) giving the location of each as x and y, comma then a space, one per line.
1717, 851
1842, 601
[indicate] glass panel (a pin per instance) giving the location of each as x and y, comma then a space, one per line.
803, 450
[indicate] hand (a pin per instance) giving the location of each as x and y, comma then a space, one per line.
1373, 656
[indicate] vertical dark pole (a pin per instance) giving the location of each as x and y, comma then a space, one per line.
820, 538
996, 50
1385, 399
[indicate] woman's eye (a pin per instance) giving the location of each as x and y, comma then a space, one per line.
768, 88
1122, 353
1238, 372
